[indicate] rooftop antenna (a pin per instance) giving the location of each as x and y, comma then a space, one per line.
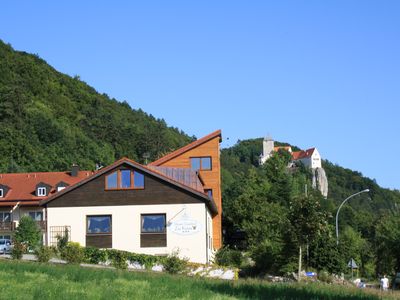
146, 155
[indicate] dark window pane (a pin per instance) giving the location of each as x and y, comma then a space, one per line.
5, 217
153, 223
206, 163
112, 181
125, 179
36, 215
139, 180
195, 163
99, 224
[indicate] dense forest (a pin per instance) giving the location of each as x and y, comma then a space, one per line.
49, 121
269, 214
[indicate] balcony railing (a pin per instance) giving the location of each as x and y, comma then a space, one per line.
11, 226
6, 226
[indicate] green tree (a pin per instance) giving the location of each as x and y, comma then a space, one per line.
388, 244
28, 232
307, 221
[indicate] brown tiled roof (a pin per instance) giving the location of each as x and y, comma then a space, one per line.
186, 148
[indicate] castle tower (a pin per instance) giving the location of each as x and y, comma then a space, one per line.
268, 149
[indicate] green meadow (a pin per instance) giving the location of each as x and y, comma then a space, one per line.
28, 280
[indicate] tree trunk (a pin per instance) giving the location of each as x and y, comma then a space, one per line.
299, 273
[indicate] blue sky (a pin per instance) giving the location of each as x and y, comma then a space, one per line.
312, 73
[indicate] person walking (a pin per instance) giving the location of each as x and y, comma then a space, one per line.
384, 283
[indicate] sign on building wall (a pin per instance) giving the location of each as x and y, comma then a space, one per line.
185, 225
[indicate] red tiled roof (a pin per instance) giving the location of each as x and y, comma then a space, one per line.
302, 154
186, 148
22, 185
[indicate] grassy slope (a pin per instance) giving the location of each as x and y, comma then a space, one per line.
24, 280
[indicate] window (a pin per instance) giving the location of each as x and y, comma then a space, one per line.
139, 180
5, 217
153, 223
200, 163
98, 224
209, 193
1, 193
41, 191
60, 188
112, 180
36, 215
125, 179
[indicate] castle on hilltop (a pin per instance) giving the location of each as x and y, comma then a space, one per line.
310, 159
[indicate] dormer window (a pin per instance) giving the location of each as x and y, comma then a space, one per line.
41, 191
1, 193
61, 185
125, 179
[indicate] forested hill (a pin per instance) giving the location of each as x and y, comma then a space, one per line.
237, 160
49, 120
267, 214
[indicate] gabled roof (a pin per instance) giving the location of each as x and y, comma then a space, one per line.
23, 185
158, 174
303, 154
186, 148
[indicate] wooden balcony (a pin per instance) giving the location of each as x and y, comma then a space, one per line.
7, 226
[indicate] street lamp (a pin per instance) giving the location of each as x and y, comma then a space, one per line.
337, 214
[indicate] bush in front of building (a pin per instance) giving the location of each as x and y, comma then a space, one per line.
144, 259
229, 257
28, 233
62, 240
118, 258
73, 253
44, 253
94, 255
173, 264
18, 250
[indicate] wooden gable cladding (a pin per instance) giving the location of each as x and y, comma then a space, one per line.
211, 178
94, 193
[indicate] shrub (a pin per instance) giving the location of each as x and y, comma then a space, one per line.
28, 232
62, 241
229, 257
173, 264
17, 250
94, 255
44, 253
147, 260
118, 258
324, 276
72, 253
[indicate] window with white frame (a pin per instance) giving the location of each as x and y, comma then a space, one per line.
1, 193
41, 191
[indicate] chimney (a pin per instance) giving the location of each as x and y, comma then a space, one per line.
74, 170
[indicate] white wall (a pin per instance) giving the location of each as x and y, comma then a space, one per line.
126, 227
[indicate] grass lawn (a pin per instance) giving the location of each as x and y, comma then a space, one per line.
29, 280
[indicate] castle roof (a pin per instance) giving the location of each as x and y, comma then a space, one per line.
303, 154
